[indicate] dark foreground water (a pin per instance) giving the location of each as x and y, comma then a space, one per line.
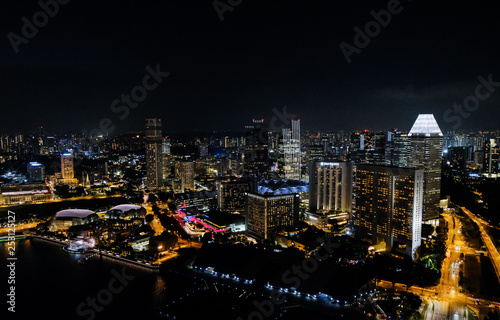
51, 284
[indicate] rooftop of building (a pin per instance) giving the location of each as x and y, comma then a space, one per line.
425, 125
283, 186
223, 218
126, 207
74, 213
195, 195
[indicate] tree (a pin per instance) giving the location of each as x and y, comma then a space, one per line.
156, 209
149, 217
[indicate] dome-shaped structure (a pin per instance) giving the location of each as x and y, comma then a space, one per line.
72, 217
125, 212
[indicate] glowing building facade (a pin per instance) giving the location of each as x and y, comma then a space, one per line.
67, 170
425, 148
389, 207
264, 213
490, 164
290, 151
330, 186
154, 154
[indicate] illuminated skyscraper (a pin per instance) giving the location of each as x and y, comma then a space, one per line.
490, 164
67, 170
290, 151
330, 187
264, 213
154, 153
36, 172
389, 206
185, 174
425, 148
256, 156
458, 161
167, 168
231, 194
396, 152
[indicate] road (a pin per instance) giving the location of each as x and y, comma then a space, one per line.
449, 302
20, 227
492, 250
90, 197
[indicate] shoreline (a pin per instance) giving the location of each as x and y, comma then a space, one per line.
151, 267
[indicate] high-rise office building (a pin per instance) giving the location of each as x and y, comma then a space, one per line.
265, 213
231, 194
154, 153
389, 206
357, 147
375, 153
396, 152
36, 172
330, 187
256, 156
167, 167
314, 153
67, 170
185, 172
425, 148
458, 161
290, 151
491, 153
400, 149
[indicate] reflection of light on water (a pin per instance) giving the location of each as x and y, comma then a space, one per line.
81, 243
160, 285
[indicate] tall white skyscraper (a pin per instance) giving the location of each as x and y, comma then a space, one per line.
490, 163
154, 153
290, 151
425, 141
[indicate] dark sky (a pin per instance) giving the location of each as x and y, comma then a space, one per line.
263, 56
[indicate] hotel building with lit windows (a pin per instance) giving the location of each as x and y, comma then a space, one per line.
389, 207
330, 186
264, 213
330, 193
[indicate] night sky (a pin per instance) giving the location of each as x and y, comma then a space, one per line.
265, 55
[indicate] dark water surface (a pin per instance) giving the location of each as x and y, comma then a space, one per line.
51, 284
